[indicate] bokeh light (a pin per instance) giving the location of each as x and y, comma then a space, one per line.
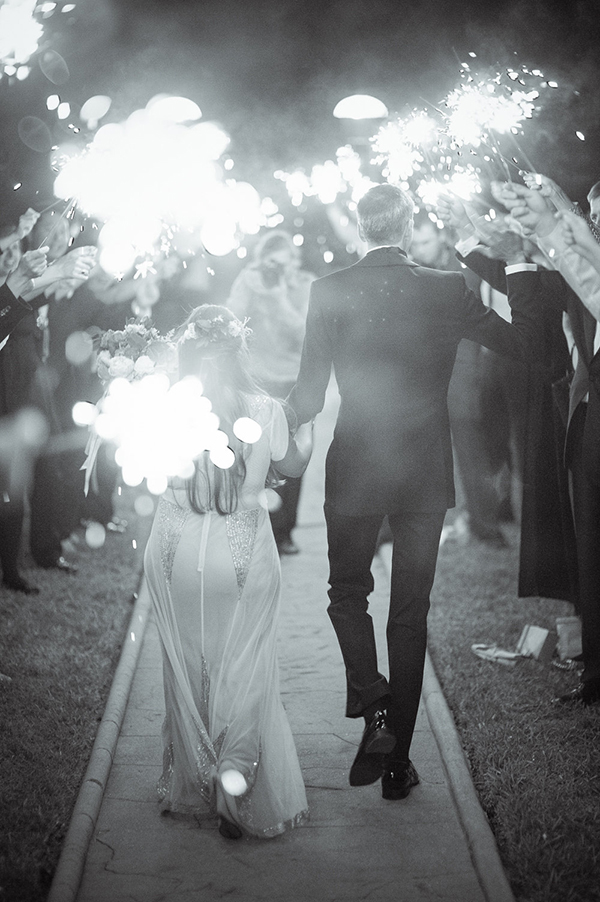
95, 535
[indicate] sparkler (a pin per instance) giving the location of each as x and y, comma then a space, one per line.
20, 34
156, 174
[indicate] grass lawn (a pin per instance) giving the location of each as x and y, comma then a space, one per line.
60, 649
536, 766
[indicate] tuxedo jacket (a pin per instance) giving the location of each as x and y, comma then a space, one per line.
390, 329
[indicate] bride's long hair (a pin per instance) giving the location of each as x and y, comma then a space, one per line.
212, 347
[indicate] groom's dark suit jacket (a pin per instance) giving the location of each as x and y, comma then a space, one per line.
391, 329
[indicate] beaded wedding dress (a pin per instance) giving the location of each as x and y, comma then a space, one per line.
215, 585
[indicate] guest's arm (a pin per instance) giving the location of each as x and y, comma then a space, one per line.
26, 222
577, 270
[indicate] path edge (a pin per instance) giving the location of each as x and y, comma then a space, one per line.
69, 870
480, 839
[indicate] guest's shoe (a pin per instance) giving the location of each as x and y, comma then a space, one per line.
377, 742
18, 584
398, 781
228, 829
287, 546
585, 694
61, 564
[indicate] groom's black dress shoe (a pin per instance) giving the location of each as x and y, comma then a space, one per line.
398, 781
586, 694
377, 741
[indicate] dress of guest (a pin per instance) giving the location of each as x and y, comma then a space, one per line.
272, 293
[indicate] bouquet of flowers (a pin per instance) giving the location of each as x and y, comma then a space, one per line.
136, 351
131, 353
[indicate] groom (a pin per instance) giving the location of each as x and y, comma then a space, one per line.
390, 328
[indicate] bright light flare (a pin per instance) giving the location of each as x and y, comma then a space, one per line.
160, 430
360, 106
19, 33
154, 175
95, 535
247, 430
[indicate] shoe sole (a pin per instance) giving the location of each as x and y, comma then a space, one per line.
381, 745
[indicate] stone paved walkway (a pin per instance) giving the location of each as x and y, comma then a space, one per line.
356, 845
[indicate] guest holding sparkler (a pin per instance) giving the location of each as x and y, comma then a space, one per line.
547, 546
573, 289
272, 293
474, 379
20, 362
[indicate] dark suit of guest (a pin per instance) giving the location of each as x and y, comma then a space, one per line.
12, 311
582, 456
390, 328
547, 564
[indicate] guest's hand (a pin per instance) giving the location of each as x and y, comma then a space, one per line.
578, 235
507, 246
452, 211
77, 264
529, 208
73, 269
535, 181
31, 265
26, 222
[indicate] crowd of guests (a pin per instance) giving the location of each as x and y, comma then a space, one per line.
526, 439
544, 250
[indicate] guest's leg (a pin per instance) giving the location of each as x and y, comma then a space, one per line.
44, 538
351, 542
11, 530
586, 514
416, 543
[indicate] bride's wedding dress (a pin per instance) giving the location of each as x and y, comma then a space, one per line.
215, 586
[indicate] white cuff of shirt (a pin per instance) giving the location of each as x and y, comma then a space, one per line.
520, 267
466, 245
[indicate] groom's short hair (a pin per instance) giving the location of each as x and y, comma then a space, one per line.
384, 214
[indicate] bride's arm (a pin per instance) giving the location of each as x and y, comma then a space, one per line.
298, 453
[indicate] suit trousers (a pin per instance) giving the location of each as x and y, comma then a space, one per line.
351, 546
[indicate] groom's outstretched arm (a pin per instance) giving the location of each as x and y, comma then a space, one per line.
308, 395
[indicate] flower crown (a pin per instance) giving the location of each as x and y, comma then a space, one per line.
216, 331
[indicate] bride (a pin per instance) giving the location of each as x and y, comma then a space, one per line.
213, 572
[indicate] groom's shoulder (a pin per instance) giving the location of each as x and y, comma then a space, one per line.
337, 277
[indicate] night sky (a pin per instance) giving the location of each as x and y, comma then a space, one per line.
271, 71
